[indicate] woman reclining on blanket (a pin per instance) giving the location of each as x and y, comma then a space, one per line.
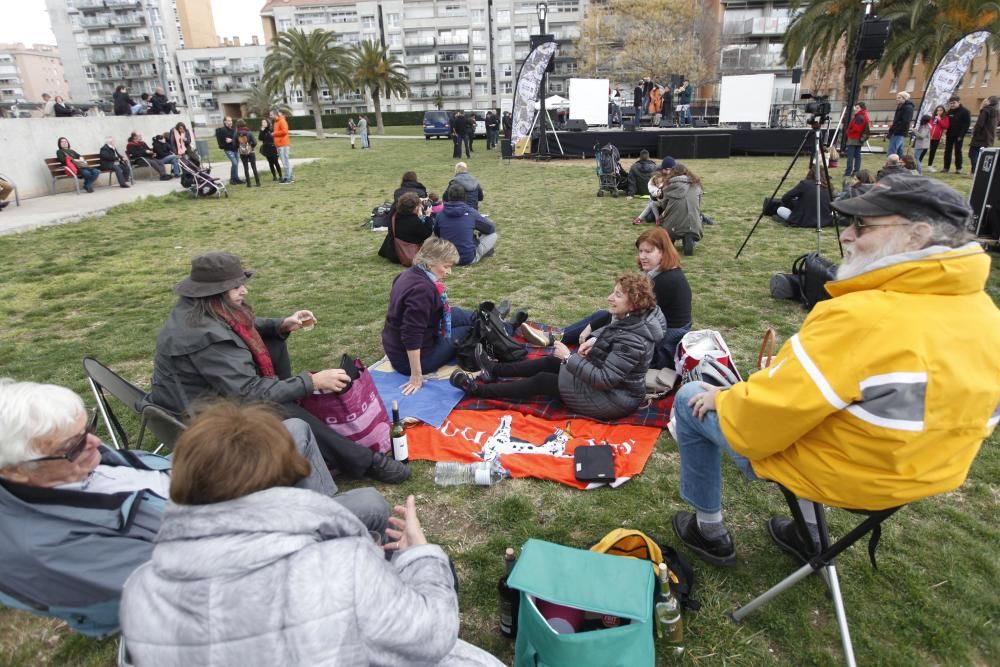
605, 378
658, 259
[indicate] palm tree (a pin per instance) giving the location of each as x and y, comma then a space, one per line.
378, 70
260, 100
438, 100
310, 60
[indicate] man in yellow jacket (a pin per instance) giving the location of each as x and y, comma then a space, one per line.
885, 394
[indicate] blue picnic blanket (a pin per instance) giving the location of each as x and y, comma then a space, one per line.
430, 405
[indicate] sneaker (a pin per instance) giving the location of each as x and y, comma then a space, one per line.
166, 177
486, 365
786, 537
931, 169
717, 551
533, 335
503, 309
463, 381
388, 470
520, 317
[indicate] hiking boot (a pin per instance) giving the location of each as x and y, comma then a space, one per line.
717, 551
486, 365
388, 470
785, 536
534, 336
520, 317
503, 309
463, 381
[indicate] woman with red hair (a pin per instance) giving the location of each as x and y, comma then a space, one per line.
605, 378
659, 260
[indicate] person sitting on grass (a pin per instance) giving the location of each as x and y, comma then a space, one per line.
867, 406
860, 183
470, 184
658, 259
604, 379
411, 223
798, 205
893, 165
657, 182
461, 224
75, 164
214, 345
681, 215
409, 183
640, 173
77, 517
248, 570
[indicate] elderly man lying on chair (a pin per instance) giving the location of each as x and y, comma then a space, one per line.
885, 394
76, 517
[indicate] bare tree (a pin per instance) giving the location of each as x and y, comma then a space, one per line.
627, 39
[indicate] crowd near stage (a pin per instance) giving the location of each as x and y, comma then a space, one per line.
678, 142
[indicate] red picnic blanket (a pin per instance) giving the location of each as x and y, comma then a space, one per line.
529, 446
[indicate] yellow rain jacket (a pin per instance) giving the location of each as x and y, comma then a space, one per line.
886, 393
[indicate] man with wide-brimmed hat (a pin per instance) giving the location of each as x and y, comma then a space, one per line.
214, 345
856, 409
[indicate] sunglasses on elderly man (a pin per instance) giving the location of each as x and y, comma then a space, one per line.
76, 445
860, 226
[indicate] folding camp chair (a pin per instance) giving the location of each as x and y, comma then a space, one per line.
102, 379
823, 562
166, 427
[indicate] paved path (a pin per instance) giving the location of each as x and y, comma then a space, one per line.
69, 207
374, 137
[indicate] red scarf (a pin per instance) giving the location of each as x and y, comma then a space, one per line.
245, 329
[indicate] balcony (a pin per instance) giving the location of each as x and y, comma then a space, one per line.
122, 4
129, 20
95, 24
453, 57
209, 104
741, 59
762, 26
238, 87
457, 91
423, 59
423, 94
422, 78
452, 40
243, 69
106, 58
88, 6
420, 42
141, 55
210, 71
455, 76
130, 39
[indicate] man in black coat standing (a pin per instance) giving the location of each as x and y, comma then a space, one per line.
960, 119
459, 128
637, 106
985, 131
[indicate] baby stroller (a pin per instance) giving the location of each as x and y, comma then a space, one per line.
610, 175
200, 182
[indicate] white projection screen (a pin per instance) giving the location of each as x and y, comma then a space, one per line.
746, 99
588, 99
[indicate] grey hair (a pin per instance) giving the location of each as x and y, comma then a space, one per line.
30, 411
943, 232
905, 95
461, 168
435, 251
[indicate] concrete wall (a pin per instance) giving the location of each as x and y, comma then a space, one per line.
26, 142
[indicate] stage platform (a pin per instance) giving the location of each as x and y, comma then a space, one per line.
680, 142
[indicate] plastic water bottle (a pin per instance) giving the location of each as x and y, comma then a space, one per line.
486, 473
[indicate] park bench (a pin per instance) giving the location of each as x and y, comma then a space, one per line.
57, 170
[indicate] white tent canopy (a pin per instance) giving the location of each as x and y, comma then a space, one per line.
556, 102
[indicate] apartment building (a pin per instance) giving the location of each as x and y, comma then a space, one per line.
457, 53
106, 43
27, 72
752, 35
217, 80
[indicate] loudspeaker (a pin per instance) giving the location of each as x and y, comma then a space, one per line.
666, 121
742, 126
535, 40
694, 146
506, 149
699, 122
874, 37
985, 196
797, 75
576, 125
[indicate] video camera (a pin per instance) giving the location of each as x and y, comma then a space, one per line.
818, 107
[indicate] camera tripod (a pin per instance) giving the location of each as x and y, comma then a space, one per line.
818, 164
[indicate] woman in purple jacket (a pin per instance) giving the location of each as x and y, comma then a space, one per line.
421, 326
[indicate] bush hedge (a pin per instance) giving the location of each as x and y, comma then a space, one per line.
338, 121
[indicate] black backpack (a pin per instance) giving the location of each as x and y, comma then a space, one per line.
489, 330
633, 543
814, 272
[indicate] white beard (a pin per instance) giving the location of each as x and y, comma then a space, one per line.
856, 263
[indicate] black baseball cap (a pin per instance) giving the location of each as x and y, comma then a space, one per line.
906, 195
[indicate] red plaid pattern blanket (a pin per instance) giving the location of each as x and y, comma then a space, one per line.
653, 413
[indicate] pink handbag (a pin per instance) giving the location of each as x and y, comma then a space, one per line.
357, 413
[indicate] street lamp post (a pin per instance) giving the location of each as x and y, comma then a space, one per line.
542, 10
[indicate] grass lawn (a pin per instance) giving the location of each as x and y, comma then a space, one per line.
103, 288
